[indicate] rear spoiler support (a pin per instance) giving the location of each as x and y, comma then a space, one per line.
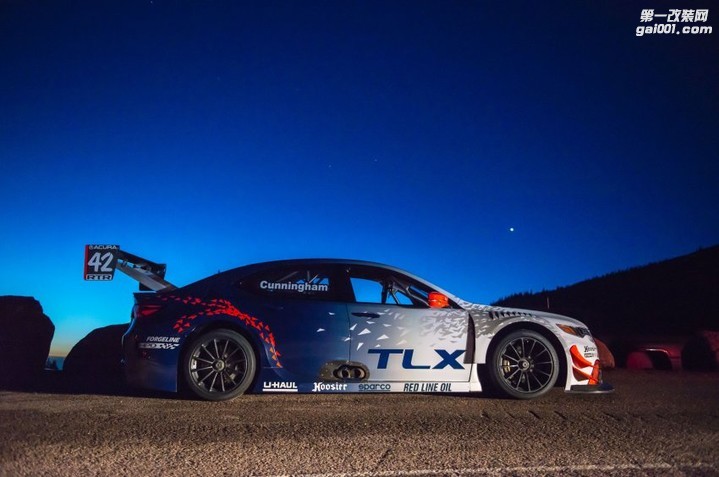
102, 260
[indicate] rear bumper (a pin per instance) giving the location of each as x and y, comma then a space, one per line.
149, 368
602, 388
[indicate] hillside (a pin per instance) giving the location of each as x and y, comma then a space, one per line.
674, 297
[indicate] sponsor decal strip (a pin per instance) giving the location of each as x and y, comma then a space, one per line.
328, 387
383, 387
579, 362
158, 345
279, 387
160, 342
298, 287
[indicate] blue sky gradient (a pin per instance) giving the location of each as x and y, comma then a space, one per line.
210, 134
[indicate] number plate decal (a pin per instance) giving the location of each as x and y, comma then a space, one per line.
100, 261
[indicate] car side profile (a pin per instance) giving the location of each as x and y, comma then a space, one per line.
332, 325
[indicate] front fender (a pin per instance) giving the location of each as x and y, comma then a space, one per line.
581, 364
487, 329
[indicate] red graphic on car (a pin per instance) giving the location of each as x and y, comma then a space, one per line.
216, 307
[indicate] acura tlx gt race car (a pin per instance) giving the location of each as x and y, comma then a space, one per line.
324, 325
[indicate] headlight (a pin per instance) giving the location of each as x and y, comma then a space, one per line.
575, 330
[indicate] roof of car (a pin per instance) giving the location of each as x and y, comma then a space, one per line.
251, 268
245, 270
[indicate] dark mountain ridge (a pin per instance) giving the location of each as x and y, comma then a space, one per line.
674, 297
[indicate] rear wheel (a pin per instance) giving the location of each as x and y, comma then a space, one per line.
524, 365
219, 365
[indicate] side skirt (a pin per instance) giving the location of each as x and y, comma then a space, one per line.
281, 383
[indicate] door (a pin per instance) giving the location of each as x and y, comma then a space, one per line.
302, 305
395, 333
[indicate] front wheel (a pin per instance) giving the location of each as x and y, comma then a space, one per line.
524, 365
219, 365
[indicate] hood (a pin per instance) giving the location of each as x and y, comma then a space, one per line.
499, 312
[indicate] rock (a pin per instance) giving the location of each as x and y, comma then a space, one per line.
25, 337
98, 355
605, 356
639, 360
701, 352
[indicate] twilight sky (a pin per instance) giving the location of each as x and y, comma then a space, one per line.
212, 134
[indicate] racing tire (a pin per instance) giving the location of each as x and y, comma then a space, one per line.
523, 365
219, 365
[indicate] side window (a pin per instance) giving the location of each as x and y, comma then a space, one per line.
375, 285
307, 283
366, 291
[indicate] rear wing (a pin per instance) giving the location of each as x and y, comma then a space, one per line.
101, 261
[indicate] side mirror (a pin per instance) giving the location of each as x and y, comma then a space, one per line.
437, 300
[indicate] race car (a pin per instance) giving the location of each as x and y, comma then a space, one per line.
337, 326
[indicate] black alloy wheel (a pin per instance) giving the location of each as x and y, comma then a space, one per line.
219, 365
524, 365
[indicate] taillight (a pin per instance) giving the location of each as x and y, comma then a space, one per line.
144, 311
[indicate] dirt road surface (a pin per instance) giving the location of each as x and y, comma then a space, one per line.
656, 423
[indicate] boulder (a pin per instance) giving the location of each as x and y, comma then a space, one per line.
701, 352
98, 355
25, 337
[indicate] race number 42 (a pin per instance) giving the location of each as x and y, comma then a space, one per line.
100, 261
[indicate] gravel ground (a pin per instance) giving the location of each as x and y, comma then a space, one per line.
656, 423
